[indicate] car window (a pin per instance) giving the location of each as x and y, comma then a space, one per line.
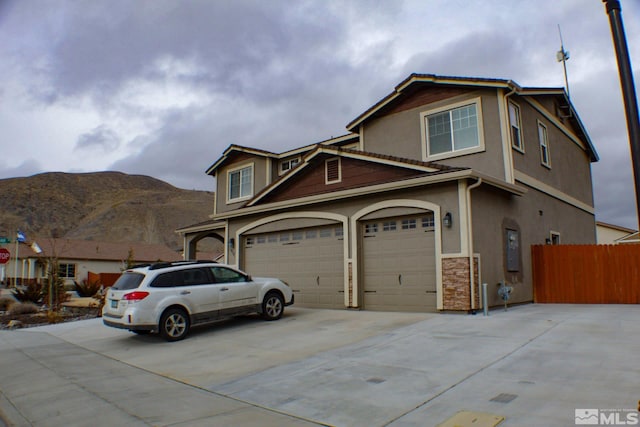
226, 275
167, 280
196, 276
128, 280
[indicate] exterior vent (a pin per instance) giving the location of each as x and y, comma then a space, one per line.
332, 171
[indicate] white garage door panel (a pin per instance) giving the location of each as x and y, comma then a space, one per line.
399, 265
312, 264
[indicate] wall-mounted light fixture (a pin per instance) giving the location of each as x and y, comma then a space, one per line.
232, 243
447, 221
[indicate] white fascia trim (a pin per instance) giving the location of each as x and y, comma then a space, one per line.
308, 147
553, 192
345, 194
462, 215
505, 135
573, 137
247, 150
309, 214
208, 227
396, 185
394, 203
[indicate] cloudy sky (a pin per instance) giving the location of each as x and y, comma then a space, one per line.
161, 88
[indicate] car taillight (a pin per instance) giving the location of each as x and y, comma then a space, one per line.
135, 296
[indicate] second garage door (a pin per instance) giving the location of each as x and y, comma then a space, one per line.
310, 260
399, 264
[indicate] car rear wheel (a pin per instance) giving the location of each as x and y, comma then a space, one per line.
272, 307
174, 324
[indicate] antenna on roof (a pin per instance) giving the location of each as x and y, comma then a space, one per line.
562, 56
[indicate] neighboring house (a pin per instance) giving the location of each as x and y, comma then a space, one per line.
609, 234
443, 184
77, 259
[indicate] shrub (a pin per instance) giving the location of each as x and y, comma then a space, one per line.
87, 288
24, 308
60, 295
54, 317
6, 302
32, 292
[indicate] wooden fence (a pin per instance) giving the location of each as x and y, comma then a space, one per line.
106, 279
586, 274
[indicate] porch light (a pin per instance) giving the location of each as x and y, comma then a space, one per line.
447, 221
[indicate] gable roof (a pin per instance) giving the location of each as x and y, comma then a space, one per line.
417, 81
233, 149
100, 251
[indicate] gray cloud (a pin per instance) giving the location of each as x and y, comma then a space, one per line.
100, 137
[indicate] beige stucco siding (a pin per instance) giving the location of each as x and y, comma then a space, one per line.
535, 215
260, 168
570, 170
400, 134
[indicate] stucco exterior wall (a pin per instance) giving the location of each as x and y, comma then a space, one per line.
400, 134
260, 179
535, 215
570, 170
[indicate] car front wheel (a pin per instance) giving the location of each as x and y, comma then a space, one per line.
272, 307
174, 324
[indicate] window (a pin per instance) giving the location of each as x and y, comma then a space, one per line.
325, 232
272, 238
408, 224
338, 232
311, 234
261, 239
371, 228
67, 271
544, 145
453, 130
332, 171
195, 276
389, 226
287, 165
516, 126
297, 235
240, 183
226, 275
555, 237
428, 221
284, 237
249, 240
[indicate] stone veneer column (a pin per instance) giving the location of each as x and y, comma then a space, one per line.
455, 284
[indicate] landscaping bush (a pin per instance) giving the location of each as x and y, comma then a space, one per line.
5, 303
87, 288
24, 308
32, 292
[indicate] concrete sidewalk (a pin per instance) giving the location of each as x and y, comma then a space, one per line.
534, 365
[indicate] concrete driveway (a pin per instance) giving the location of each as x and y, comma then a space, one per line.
532, 365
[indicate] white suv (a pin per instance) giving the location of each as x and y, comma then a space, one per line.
171, 297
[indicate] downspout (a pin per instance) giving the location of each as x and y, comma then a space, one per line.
470, 240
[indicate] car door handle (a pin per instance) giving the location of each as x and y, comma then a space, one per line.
224, 289
185, 292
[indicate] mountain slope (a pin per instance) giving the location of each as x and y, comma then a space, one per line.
104, 206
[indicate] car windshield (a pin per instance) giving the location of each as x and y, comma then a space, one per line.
127, 281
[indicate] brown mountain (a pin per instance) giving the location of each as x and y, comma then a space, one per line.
103, 206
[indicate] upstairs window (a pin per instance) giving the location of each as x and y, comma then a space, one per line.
453, 131
240, 183
332, 171
516, 126
544, 145
287, 165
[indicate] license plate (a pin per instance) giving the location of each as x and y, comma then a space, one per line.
114, 303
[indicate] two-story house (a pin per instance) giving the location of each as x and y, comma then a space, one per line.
443, 184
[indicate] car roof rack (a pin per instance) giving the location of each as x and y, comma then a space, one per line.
159, 265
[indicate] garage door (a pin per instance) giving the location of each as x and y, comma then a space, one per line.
310, 260
399, 264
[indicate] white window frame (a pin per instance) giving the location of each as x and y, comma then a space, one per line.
326, 171
517, 125
237, 169
286, 165
544, 145
455, 153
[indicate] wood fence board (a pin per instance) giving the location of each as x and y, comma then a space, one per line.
586, 274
